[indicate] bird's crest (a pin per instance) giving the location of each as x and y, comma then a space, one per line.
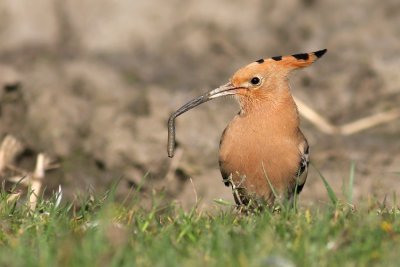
293, 61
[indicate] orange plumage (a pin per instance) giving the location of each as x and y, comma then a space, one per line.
263, 146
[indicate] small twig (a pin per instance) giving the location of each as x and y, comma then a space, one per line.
369, 122
349, 128
23, 180
235, 189
52, 167
18, 170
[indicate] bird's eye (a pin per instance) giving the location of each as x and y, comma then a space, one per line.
255, 81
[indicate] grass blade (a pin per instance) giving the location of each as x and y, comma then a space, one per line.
331, 193
223, 202
269, 182
351, 183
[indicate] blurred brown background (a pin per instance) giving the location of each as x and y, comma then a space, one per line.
93, 82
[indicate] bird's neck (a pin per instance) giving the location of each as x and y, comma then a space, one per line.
275, 107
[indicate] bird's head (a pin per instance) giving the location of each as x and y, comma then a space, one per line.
263, 78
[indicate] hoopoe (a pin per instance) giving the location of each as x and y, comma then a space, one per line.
263, 153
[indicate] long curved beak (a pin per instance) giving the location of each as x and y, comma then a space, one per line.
226, 89
223, 90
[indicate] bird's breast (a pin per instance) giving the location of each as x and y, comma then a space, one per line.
257, 150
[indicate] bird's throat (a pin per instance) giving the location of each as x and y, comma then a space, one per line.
270, 105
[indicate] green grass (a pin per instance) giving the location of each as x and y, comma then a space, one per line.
97, 231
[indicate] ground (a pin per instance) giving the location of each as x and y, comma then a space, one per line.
95, 85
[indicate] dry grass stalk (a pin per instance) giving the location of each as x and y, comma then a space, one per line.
13, 196
349, 128
320, 122
36, 180
370, 121
20, 179
43, 163
9, 150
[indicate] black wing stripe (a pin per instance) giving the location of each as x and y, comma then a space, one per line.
303, 169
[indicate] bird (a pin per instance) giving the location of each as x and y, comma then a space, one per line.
263, 154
